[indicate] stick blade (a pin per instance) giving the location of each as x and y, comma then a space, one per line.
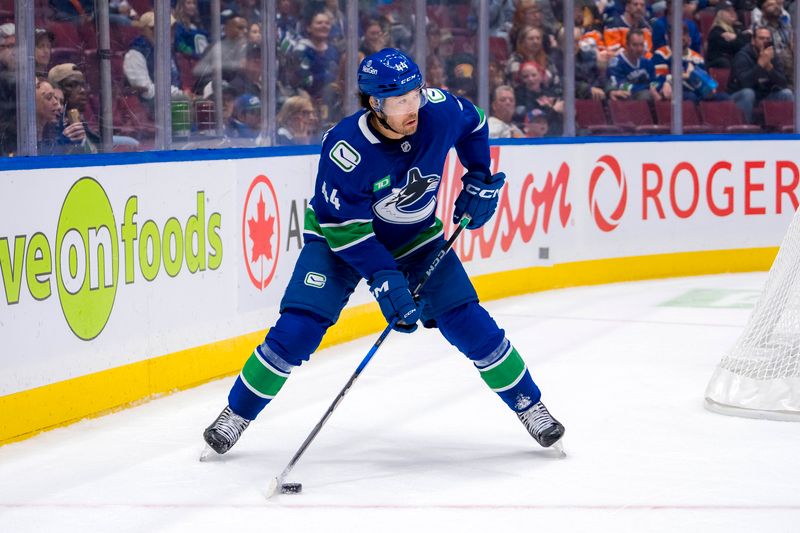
274, 485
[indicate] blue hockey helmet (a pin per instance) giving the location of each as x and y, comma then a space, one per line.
388, 73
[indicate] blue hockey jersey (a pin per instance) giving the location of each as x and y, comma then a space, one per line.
375, 198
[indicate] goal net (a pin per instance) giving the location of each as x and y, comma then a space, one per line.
760, 377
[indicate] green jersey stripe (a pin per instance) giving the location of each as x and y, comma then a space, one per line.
341, 235
482, 116
430, 234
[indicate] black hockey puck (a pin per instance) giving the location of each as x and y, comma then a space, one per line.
291, 488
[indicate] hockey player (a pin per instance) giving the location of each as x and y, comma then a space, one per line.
373, 217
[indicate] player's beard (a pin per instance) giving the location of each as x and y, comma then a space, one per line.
405, 124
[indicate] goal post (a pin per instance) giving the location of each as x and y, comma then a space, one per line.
760, 376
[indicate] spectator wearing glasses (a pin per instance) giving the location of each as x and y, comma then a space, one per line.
74, 131
296, 121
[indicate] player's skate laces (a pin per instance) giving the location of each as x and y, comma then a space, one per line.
541, 425
223, 433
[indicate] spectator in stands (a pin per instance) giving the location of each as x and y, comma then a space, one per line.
288, 24
121, 13
250, 10
591, 64
338, 26
530, 47
434, 34
246, 120
697, 82
536, 124
774, 18
47, 116
229, 96
139, 63
74, 131
501, 124
8, 89
616, 30
248, 79
497, 75
191, 38
726, 37
662, 26
630, 74
501, 121
434, 74
233, 48
590, 23
254, 34
318, 57
533, 93
295, 121
375, 38
501, 16
757, 74
43, 41
529, 14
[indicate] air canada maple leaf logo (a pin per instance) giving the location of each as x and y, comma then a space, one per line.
261, 232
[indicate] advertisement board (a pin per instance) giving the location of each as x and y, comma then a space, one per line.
113, 267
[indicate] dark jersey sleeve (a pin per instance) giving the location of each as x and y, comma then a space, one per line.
472, 143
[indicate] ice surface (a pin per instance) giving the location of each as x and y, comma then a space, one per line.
419, 443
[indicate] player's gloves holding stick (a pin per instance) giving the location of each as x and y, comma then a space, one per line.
479, 197
390, 288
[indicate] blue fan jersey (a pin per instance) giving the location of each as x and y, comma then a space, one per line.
375, 198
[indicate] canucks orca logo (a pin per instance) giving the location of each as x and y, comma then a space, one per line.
401, 206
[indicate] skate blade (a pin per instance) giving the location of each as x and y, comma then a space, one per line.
558, 446
273, 487
207, 454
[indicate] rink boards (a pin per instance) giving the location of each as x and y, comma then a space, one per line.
133, 279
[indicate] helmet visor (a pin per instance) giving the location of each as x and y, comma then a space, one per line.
404, 104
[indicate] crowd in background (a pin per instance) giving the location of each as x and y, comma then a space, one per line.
738, 50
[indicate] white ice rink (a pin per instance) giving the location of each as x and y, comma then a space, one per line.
419, 444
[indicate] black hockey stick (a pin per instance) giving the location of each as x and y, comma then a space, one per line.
277, 483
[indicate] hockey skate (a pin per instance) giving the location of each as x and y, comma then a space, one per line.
223, 433
542, 426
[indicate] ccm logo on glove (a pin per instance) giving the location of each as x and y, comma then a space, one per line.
483, 193
479, 197
390, 288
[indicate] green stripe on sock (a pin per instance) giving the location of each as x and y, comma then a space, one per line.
261, 377
505, 372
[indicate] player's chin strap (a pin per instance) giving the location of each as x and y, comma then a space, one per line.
381, 117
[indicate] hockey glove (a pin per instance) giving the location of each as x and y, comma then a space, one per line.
390, 288
479, 197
